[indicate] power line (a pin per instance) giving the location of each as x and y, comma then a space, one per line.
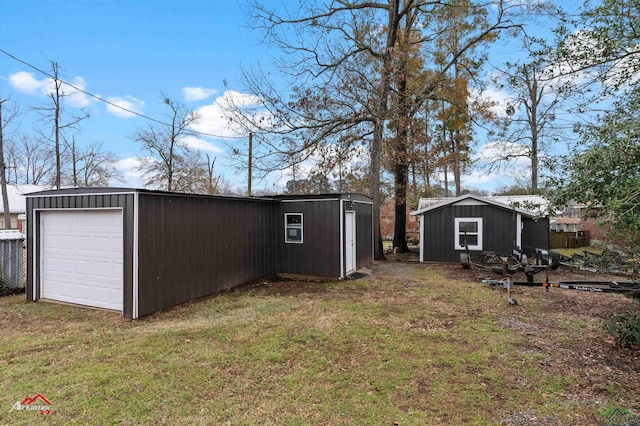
146, 117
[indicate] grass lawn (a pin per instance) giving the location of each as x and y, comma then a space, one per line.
413, 344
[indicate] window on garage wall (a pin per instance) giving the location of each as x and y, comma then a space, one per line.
293, 228
468, 233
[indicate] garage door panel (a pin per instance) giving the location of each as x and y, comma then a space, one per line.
82, 257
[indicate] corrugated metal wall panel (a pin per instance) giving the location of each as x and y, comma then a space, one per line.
319, 254
190, 247
364, 234
498, 231
438, 238
193, 246
535, 234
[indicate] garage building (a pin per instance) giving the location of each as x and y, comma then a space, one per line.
473, 224
139, 251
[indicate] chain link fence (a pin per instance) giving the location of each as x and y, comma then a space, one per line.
13, 261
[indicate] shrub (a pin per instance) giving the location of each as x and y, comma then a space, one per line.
625, 328
4, 287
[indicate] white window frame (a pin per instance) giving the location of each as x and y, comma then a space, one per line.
458, 234
293, 226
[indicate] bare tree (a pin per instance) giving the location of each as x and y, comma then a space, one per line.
212, 180
332, 48
170, 163
5, 120
92, 166
31, 159
53, 115
11, 160
530, 121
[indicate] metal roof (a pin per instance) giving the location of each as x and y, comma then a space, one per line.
15, 193
430, 204
113, 190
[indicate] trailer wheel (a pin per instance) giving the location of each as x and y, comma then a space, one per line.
465, 261
554, 260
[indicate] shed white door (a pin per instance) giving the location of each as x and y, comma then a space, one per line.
82, 257
350, 241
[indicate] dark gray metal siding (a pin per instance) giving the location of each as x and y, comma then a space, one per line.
107, 200
190, 247
498, 231
535, 234
364, 234
319, 254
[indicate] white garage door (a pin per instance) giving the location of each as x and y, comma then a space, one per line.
81, 255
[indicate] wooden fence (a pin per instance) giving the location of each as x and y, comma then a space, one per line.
560, 239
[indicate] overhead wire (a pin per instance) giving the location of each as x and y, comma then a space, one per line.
106, 101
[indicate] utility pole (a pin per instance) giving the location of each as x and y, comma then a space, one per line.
3, 172
250, 163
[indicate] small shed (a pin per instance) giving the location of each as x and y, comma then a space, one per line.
139, 251
481, 224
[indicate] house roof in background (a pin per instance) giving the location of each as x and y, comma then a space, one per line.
527, 204
17, 201
427, 204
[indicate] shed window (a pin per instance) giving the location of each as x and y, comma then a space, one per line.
293, 228
468, 233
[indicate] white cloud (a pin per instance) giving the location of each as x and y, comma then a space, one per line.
25, 82
74, 96
125, 107
131, 177
476, 178
192, 94
214, 117
201, 144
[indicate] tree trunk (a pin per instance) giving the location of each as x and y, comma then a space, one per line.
400, 222
74, 161
457, 162
446, 177
378, 127
535, 97
57, 137
3, 176
401, 166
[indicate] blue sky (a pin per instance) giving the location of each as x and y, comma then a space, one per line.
129, 52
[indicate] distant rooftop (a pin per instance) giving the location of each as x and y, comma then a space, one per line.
17, 201
536, 204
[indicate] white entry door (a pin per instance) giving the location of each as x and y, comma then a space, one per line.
82, 257
350, 241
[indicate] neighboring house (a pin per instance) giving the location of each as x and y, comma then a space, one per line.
139, 251
566, 224
448, 227
575, 218
17, 203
